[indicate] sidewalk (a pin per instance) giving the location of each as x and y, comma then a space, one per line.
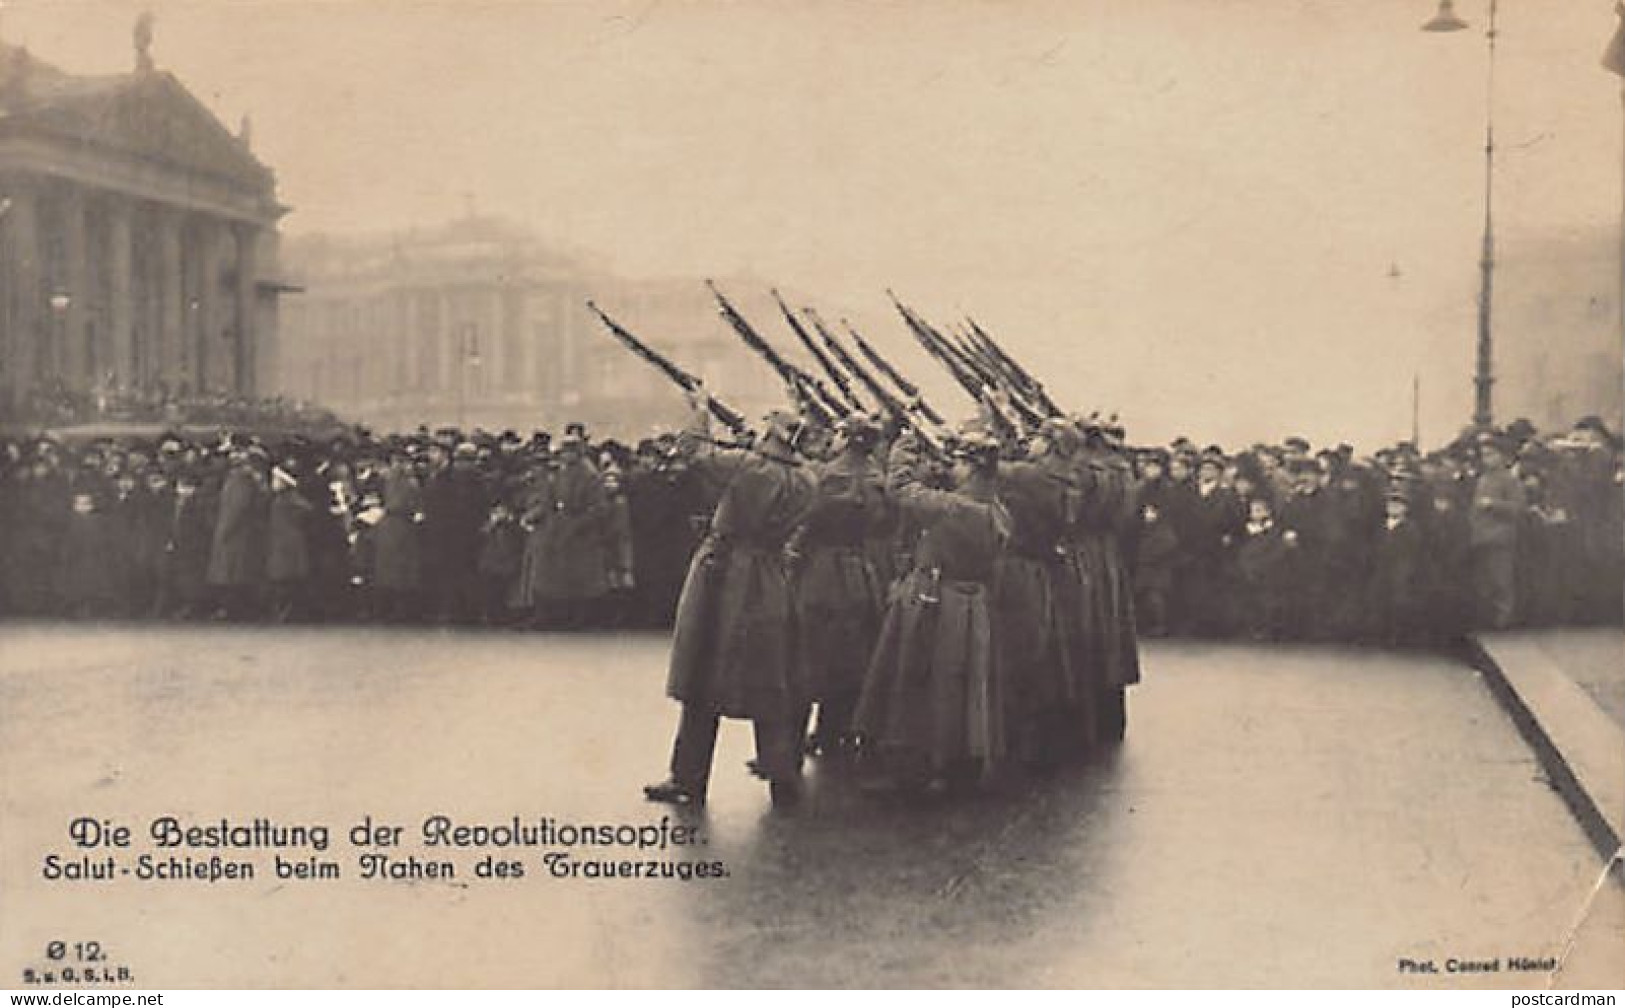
1565, 688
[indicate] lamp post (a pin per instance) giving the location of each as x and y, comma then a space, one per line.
1613, 60
1483, 373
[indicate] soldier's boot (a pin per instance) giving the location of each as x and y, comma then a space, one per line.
674, 792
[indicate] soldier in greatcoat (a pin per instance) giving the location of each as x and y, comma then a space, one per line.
932, 713
1100, 646
1029, 603
733, 652
839, 595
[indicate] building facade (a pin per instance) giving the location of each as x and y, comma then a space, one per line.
478, 323
138, 236
1558, 342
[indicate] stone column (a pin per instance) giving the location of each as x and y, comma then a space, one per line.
492, 375
171, 360
208, 317
246, 332
447, 338
29, 312
120, 295
73, 279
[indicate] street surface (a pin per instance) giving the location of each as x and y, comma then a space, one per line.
1279, 817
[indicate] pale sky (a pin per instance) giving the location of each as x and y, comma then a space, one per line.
1186, 210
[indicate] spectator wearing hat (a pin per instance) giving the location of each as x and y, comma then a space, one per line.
1262, 566
287, 552
1597, 491
1156, 545
1395, 598
1497, 510
396, 541
123, 506
189, 519
569, 558
237, 558
1211, 519
156, 499
83, 584
455, 505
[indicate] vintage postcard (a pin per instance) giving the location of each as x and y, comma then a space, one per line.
531, 494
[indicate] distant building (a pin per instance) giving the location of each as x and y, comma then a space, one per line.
137, 236
1560, 354
478, 323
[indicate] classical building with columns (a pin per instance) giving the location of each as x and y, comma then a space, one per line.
137, 236
479, 323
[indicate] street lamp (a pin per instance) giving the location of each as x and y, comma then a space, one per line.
1445, 20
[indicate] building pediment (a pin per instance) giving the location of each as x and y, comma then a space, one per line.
148, 116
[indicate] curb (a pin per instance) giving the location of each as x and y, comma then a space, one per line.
1605, 839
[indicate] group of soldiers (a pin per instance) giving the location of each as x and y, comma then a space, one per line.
957, 611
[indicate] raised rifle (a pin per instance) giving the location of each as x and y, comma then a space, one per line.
933, 343
887, 400
803, 387
682, 379
1000, 377
1033, 387
910, 390
851, 400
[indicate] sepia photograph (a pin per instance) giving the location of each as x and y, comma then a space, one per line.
921, 494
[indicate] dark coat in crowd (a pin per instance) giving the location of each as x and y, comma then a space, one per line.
83, 580
397, 551
1263, 562
188, 536
287, 556
1445, 566
1208, 520
569, 554
1027, 602
237, 559
1101, 651
455, 504
1395, 595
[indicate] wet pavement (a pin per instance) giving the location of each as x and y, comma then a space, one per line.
1278, 817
